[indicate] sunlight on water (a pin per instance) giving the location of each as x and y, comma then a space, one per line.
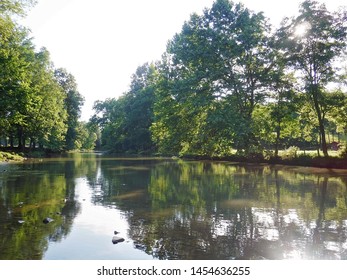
94, 221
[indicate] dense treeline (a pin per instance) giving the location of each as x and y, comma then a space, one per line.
126, 122
39, 105
229, 81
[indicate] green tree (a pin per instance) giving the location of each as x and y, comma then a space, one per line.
313, 41
87, 136
17, 7
125, 121
12, 71
46, 116
339, 114
73, 103
139, 108
221, 57
31, 100
30, 97
36, 102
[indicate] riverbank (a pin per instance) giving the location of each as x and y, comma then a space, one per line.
18, 155
11, 156
302, 160
14, 155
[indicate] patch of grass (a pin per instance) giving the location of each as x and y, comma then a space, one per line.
10, 156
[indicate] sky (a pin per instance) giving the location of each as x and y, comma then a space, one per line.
101, 43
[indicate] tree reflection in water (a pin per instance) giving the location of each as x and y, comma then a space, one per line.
204, 210
29, 193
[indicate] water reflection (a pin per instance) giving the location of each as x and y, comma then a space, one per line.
28, 194
171, 209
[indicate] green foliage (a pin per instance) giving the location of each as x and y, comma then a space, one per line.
314, 53
343, 151
18, 7
73, 102
125, 121
87, 136
47, 115
228, 82
211, 82
37, 103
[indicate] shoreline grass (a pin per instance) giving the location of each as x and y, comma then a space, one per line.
11, 156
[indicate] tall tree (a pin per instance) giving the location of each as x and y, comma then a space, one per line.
139, 108
34, 100
221, 57
46, 114
11, 40
313, 41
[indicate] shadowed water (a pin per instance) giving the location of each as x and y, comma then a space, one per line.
170, 209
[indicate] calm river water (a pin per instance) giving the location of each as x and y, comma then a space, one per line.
170, 209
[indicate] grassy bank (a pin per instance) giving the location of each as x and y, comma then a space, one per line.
11, 156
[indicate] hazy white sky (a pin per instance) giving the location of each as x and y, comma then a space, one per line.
102, 42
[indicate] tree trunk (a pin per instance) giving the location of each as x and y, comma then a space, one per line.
323, 138
11, 141
32, 144
320, 122
278, 135
20, 138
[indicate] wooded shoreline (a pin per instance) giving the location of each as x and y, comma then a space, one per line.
230, 86
300, 160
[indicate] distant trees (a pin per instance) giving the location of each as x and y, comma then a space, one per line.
73, 102
126, 121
